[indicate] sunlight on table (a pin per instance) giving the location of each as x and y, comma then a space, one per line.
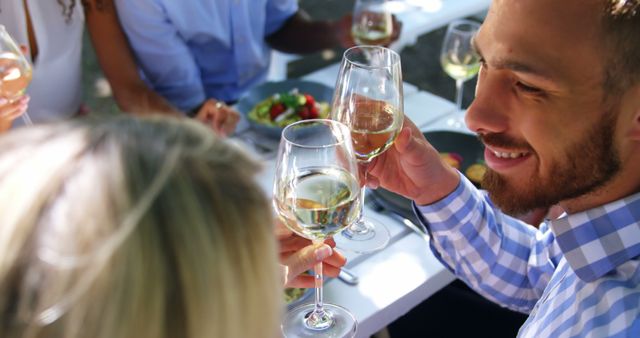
379, 274
426, 5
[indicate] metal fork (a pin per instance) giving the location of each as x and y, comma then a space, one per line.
261, 148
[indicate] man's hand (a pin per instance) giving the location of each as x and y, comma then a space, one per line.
413, 168
342, 31
298, 255
220, 117
397, 28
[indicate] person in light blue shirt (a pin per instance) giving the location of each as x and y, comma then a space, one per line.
190, 51
558, 109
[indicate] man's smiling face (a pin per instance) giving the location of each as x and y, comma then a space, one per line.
540, 105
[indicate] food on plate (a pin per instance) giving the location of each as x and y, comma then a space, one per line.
282, 109
293, 294
452, 159
475, 172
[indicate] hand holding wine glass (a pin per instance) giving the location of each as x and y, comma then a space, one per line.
369, 100
15, 75
372, 23
316, 195
458, 58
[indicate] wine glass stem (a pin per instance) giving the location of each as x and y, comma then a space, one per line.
459, 88
318, 319
359, 226
26, 119
319, 306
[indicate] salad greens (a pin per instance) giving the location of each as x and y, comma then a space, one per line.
282, 109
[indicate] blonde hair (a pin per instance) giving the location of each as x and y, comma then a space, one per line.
133, 228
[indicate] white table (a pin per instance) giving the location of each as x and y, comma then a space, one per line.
421, 107
405, 273
392, 281
422, 16
418, 17
401, 276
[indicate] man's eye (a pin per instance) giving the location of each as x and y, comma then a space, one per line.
528, 89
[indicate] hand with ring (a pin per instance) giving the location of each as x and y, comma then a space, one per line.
217, 115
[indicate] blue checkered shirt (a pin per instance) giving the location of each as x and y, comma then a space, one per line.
576, 276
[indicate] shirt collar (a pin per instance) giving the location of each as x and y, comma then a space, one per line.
596, 241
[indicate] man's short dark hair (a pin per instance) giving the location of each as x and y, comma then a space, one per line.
621, 27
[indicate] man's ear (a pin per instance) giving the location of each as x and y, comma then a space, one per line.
631, 105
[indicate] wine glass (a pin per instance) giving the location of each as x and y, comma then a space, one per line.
316, 194
372, 23
368, 99
459, 59
15, 70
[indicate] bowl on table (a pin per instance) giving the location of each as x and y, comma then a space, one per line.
263, 96
461, 149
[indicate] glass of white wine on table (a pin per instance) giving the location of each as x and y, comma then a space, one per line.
460, 60
15, 71
316, 195
369, 100
372, 23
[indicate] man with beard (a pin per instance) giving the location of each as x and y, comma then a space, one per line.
558, 109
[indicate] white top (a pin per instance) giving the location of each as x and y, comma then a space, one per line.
56, 88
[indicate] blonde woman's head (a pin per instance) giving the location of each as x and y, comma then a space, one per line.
133, 228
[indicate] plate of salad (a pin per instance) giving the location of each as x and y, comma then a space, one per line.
272, 106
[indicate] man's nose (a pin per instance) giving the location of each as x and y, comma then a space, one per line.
488, 111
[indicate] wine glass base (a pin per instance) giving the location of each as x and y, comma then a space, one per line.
368, 236
343, 324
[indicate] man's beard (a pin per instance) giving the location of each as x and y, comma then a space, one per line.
590, 163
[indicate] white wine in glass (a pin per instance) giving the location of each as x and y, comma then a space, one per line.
369, 100
458, 57
374, 128
15, 70
372, 23
316, 194
318, 202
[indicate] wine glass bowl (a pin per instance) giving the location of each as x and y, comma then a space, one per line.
15, 70
372, 23
316, 195
458, 57
375, 128
369, 100
14, 76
